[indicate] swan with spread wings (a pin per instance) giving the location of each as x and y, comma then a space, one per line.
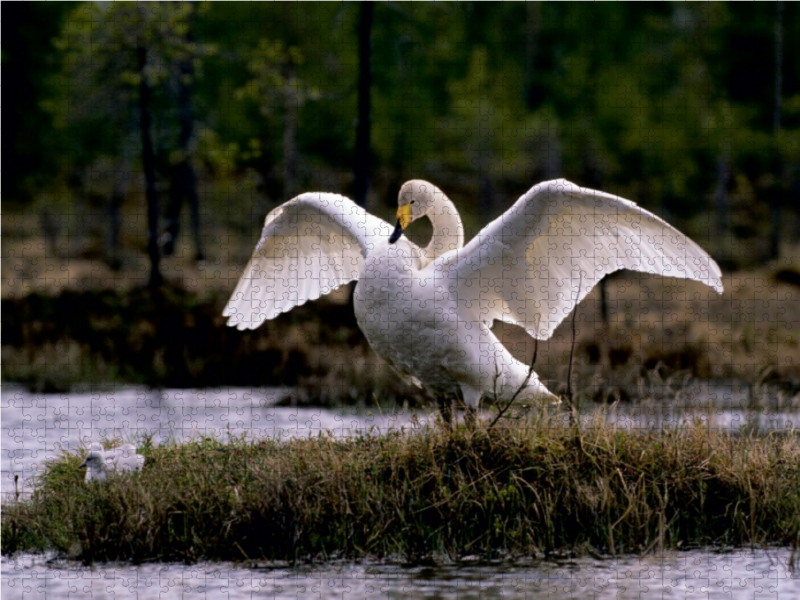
428, 311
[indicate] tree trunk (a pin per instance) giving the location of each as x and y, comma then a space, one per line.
115, 222
291, 102
148, 162
776, 110
552, 161
184, 180
533, 20
122, 181
721, 192
777, 200
361, 185
486, 198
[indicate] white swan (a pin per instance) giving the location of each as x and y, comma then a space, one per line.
98, 462
428, 311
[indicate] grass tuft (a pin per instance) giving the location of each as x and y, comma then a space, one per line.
522, 489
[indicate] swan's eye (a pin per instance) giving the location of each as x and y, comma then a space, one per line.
412, 202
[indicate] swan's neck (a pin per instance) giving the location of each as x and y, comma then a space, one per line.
448, 231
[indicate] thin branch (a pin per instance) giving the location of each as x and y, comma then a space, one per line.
570, 396
521, 387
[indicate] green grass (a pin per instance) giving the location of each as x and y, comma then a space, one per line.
521, 489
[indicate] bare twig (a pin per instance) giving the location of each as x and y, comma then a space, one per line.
521, 387
570, 396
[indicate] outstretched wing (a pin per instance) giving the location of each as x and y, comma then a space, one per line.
535, 263
309, 246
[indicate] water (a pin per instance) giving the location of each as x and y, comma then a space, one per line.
745, 575
37, 427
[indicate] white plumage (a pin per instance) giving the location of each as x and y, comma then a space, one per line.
428, 311
99, 463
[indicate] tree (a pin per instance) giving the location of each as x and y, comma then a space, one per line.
362, 158
31, 152
121, 55
776, 199
278, 89
184, 180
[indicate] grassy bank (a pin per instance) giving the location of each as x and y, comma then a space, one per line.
521, 489
171, 337
174, 337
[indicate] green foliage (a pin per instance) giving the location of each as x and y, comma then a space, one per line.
641, 99
94, 96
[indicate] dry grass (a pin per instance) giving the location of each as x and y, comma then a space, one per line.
532, 487
681, 325
749, 333
179, 339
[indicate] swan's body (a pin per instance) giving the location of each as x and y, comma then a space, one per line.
428, 311
99, 463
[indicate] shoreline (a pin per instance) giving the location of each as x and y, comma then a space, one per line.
174, 338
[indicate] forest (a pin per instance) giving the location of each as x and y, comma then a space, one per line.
690, 110
145, 143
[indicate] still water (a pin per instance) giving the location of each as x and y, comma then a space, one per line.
745, 575
38, 427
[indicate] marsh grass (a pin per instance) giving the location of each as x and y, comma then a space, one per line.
528, 487
176, 337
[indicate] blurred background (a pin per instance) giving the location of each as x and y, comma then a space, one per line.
145, 143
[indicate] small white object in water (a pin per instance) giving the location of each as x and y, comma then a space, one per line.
99, 462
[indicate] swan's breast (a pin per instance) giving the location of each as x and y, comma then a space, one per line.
384, 284
403, 312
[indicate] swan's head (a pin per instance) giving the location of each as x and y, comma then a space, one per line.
94, 462
416, 199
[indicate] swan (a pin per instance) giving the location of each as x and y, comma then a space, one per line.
428, 312
98, 462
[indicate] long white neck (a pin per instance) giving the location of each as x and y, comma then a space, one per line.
448, 231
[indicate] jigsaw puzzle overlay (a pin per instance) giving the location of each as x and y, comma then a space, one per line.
401, 300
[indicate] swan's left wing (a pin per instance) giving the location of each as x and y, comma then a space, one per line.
309, 246
532, 265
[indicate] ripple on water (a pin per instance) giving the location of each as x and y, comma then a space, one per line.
694, 574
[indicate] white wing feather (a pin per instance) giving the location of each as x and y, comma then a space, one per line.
536, 262
309, 246
123, 458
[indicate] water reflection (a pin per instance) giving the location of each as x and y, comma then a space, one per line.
695, 574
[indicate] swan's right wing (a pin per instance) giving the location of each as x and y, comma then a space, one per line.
309, 246
532, 265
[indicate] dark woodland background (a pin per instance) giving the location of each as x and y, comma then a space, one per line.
144, 144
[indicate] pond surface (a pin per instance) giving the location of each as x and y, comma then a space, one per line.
745, 575
37, 427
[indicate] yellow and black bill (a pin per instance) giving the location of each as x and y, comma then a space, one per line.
403, 219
